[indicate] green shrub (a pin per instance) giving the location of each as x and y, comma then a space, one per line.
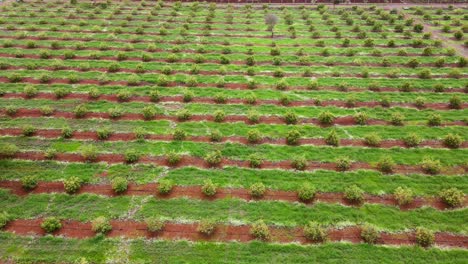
80, 110
61, 93
187, 96
209, 188
290, 118
14, 78
215, 135
103, 133
434, 120
299, 163
354, 194
173, 158
372, 139
50, 153
326, 118
431, 166
439, 88
315, 232
281, 85
253, 116
397, 119
89, 152
219, 116
149, 112
260, 231
369, 234
29, 182
455, 102
332, 139
101, 225
452, 197
11, 110
165, 186
360, 118
255, 160
257, 190
206, 227
66, 132
306, 192
154, 224
254, 136
124, 95
412, 140
51, 224
155, 96
183, 115
4, 219
293, 137
403, 195
452, 140
115, 112
386, 164
424, 237
119, 184
343, 164
28, 130
30, 91
179, 134
72, 184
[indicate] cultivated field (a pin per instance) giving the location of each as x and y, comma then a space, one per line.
168, 132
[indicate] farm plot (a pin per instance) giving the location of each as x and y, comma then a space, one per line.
230, 133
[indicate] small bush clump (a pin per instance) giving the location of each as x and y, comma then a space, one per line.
209, 188
431, 166
257, 190
306, 192
452, 197
354, 194
101, 225
369, 234
206, 227
51, 224
29, 182
165, 186
72, 184
386, 164
403, 195
424, 237
452, 140
315, 232
260, 231
119, 184
154, 224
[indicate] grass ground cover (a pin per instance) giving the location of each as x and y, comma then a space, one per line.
325, 59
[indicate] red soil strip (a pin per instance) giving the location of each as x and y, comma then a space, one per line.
222, 233
209, 100
120, 136
191, 161
343, 121
62, 57
194, 192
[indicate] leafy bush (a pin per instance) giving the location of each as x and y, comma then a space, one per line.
397, 119
360, 118
103, 133
293, 136
343, 164
4, 219
30, 91
373, 139
115, 112
206, 227
28, 130
455, 102
452, 197
66, 132
369, 234
257, 190
253, 116
209, 188
306, 192
452, 140
315, 232
72, 184
332, 139
434, 120
119, 184
326, 118
165, 186
50, 153
51, 224
154, 224
281, 85
101, 225
412, 140
424, 237
11, 110
260, 230
386, 164
219, 116
61, 93
431, 166
290, 118
149, 112
299, 163
89, 152
183, 115
179, 134
255, 160
354, 194
80, 110
173, 158
403, 195
254, 136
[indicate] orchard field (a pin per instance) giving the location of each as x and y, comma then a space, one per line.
169, 132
